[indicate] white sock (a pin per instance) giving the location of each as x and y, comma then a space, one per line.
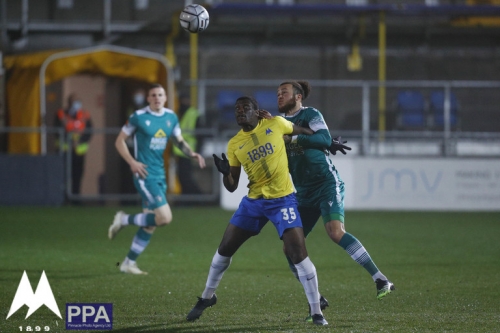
124, 219
128, 261
307, 276
217, 269
379, 275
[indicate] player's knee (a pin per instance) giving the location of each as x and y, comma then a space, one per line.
296, 253
297, 257
226, 250
162, 220
336, 234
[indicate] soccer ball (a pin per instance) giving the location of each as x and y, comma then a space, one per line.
194, 18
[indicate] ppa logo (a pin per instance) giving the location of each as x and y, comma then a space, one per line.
89, 316
42, 296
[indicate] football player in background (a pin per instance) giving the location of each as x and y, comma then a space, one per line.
152, 127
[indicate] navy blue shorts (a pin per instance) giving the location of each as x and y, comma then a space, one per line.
253, 214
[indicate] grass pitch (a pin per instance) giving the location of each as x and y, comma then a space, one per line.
446, 268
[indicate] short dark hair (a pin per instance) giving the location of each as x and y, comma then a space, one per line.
299, 87
250, 99
154, 86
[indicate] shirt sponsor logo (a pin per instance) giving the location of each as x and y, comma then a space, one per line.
159, 141
160, 134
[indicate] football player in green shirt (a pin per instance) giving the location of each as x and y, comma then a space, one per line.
320, 190
152, 127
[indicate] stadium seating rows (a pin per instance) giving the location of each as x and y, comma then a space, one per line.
414, 112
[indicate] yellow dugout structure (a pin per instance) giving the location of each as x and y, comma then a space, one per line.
29, 74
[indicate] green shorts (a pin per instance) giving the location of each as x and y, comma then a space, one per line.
325, 200
153, 192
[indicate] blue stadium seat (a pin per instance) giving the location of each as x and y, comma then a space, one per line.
267, 100
437, 108
411, 109
225, 104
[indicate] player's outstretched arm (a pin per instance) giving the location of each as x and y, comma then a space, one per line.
231, 175
338, 145
320, 139
297, 130
301, 130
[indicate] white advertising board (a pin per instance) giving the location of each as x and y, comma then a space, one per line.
409, 184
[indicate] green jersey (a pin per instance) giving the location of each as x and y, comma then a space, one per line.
308, 157
151, 133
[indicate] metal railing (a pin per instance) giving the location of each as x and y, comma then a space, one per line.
366, 141
371, 139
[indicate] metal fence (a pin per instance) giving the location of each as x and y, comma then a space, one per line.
463, 118
108, 178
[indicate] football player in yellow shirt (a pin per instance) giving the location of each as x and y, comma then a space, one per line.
259, 147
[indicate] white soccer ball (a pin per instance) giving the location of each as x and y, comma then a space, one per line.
194, 18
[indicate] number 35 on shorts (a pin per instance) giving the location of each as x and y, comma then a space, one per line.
289, 214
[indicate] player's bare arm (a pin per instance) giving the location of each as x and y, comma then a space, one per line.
135, 166
186, 149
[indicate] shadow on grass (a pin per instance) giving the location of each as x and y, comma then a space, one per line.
188, 327
54, 275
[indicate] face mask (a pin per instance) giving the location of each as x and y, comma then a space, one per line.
75, 106
139, 99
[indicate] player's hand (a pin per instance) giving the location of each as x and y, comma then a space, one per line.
222, 164
139, 169
287, 138
338, 145
264, 114
200, 159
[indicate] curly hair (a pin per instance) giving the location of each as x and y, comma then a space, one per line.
299, 87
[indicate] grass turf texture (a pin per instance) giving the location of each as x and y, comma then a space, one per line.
445, 266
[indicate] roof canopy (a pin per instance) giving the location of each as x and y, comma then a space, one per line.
28, 75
